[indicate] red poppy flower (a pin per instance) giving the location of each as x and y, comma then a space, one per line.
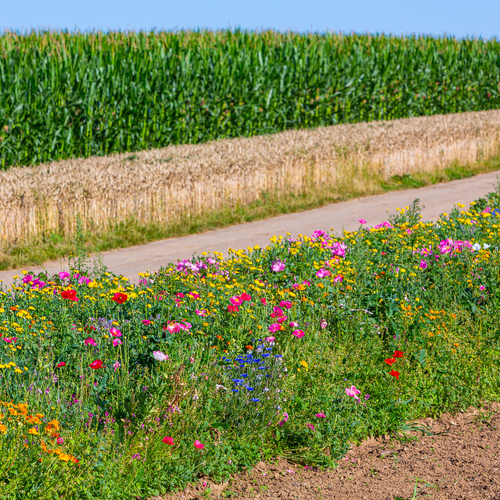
233, 308
69, 295
398, 354
394, 373
119, 298
168, 440
390, 361
61, 364
96, 364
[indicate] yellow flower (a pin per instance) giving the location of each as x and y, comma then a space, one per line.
33, 431
304, 364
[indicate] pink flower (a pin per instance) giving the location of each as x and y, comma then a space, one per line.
281, 320
277, 312
61, 364
146, 322
275, 327
482, 287
115, 332
236, 300
286, 304
269, 339
116, 365
311, 426
263, 300
338, 279
90, 341
298, 333
203, 312
352, 392
60, 440
323, 273
423, 264
293, 324
169, 440
320, 415
173, 327
278, 266
284, 421
362, 221
117, 342
199, 445
63, 275
194, 295
323, 324
245, 296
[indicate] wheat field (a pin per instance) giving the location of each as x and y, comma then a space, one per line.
163, 185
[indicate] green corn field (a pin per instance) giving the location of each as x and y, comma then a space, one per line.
68, 95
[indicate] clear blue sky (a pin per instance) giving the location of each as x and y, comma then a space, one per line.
437, 17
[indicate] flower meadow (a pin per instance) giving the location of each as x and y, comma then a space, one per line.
298, 350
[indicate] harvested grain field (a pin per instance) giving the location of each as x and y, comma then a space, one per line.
166, 184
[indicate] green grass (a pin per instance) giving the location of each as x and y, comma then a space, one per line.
132, 233
66, 95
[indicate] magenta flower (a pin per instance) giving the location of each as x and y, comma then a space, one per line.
338, 279
269, 339
323, 324
482, 287
323, 273
199, 445
236, 300
63, 275
203, 312
320, 415
115, 332
293, 324
286, 304
278, 266
117, 342
275, 327
90, 341
146, 322
362, 221
311, 426
284, 421
352, 392
116, 365
298, 333
423, 264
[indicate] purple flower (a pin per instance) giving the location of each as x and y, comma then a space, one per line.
278, 266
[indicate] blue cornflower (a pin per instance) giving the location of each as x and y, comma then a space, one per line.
266, 355
278, 356
262, 367
235, 390
250, 388
255, 400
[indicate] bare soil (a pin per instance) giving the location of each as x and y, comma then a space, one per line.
454, 458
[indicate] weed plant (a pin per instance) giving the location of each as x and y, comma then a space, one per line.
299, 349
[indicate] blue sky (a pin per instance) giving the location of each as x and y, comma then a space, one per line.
437, 17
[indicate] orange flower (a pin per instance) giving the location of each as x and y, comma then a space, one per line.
33, 431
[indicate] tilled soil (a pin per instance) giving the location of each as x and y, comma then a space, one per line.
456, 457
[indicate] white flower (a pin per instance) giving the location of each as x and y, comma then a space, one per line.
486, 246
218, 386
476, 246
159, 356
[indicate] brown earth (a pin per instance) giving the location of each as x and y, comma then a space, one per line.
454, 458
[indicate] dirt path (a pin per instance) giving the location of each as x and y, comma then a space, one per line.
457, 459
437, 199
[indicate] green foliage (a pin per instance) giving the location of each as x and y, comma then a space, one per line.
119, 391
68, 95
